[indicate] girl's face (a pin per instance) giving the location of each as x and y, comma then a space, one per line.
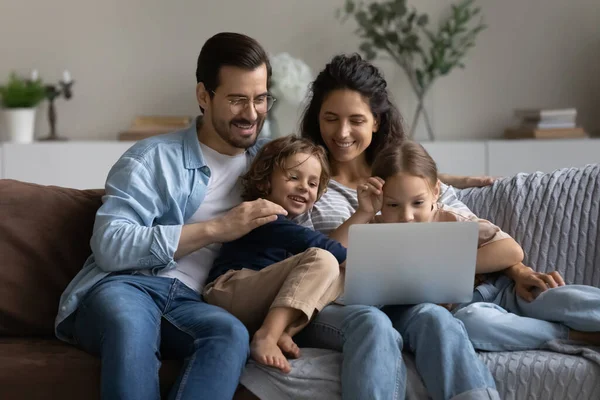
347, 124
295, 188
408, 198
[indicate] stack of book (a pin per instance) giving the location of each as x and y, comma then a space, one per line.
545, 124
148, 125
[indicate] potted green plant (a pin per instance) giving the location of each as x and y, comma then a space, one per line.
390, 28
19, 98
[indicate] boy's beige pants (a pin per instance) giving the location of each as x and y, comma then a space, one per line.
306, 282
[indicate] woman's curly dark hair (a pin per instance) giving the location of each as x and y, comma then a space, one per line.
257, 181
353, 73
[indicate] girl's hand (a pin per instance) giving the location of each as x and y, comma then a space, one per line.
370, 196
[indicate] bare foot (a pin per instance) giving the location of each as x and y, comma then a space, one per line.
264, 350
287, 346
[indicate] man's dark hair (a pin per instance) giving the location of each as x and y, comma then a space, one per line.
229, 49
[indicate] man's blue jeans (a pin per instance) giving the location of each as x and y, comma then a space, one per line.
132, 321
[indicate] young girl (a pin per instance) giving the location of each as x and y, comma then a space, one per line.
275, 278
410, 194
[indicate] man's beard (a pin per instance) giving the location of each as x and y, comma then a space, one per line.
223, 129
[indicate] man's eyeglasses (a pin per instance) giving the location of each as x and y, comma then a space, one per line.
262, 104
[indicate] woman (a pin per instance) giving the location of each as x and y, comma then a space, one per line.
351, 115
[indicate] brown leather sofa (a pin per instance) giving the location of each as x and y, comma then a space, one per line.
44, 241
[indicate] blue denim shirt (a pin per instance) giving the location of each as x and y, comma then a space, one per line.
151, 191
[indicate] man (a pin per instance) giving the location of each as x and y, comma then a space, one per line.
170, 200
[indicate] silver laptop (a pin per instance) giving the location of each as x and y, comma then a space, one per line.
410, 263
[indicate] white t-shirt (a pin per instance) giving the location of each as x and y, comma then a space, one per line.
222, 194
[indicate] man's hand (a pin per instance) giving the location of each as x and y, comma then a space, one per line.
463, 182
233, 225
477, 181
370, 196
244, 218
527, 281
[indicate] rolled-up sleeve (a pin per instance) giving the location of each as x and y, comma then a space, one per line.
126, 235
490, 233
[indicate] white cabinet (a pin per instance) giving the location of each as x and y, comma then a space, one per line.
506, 158
458, 158
79, 165
85, 164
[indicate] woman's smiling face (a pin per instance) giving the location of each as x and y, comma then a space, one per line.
346, 124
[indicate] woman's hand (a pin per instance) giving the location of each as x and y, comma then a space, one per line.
370, 196
527, 281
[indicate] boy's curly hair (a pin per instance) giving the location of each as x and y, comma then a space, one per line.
257, 181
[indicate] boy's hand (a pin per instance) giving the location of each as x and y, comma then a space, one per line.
370, 196
527, 281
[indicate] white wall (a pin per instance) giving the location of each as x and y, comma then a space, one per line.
134, 57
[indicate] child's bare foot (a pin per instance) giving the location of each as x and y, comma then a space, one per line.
287, 346
264, 350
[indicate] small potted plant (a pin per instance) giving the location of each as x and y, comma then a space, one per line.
19, 98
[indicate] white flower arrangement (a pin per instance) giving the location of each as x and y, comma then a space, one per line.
291, 78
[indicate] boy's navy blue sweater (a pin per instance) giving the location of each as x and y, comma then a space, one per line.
270, 244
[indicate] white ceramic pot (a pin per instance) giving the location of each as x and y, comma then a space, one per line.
19, 124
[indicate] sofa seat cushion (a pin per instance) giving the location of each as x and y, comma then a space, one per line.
535, 375
49, 369
543, 375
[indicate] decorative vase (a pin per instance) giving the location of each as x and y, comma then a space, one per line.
422, 110
19, 124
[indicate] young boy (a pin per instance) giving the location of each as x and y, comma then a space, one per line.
277, 276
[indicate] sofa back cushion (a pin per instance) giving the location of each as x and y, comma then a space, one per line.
554, 216
44, 241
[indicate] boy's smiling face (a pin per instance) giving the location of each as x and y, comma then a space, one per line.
296, 187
